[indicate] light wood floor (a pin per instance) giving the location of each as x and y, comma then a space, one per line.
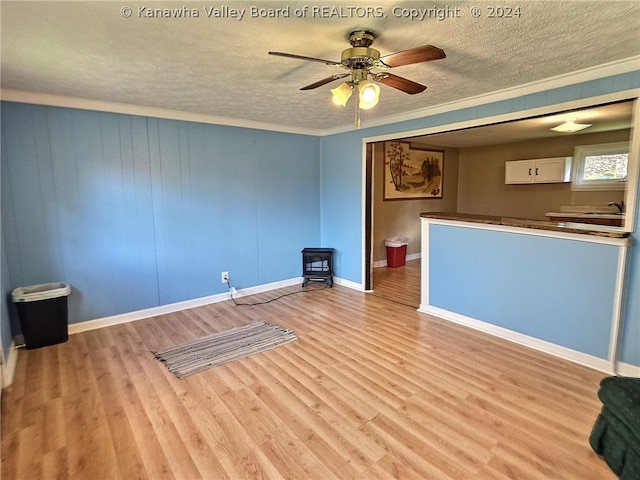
371, 389
399, 284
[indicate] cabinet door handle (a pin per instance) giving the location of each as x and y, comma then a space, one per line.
536, 171
529, 171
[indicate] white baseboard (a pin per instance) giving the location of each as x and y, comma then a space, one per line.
175, 307
383, 263
348, 283
572, 355
79, 327
628, 370
196, 302
10, 367
521, 339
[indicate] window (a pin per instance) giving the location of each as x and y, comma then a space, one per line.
601, 167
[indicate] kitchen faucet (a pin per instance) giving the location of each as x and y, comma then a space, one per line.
619, 205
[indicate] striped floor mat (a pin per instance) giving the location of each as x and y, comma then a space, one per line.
198, 355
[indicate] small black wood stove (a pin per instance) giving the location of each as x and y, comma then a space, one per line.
317, 264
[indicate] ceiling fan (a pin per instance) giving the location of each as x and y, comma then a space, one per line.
364, 62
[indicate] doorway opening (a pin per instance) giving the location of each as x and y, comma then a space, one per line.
474, 154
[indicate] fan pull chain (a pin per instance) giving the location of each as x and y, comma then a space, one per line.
357, 103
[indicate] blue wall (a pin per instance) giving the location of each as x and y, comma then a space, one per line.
341, 167
342, 214
631, 339
534, 285
137, 212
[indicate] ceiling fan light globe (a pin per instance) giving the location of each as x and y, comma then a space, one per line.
369, 94
341, 94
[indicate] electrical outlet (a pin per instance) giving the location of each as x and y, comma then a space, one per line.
224, 277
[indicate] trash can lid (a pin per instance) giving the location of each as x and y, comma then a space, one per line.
396, 241
43, 291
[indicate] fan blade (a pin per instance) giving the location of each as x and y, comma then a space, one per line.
302, 57
324, 81
400, 83
425, 53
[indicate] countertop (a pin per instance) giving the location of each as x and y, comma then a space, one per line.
610, 219
566, 227
608, 216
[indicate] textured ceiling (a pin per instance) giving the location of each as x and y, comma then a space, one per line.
218, 66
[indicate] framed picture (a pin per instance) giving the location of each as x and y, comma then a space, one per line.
411, 172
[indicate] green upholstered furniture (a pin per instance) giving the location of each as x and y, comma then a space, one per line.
616, 433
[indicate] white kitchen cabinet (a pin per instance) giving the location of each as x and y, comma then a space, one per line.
540, 170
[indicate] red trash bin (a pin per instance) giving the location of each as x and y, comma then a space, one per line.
396, 251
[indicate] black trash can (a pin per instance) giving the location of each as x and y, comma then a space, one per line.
42, 310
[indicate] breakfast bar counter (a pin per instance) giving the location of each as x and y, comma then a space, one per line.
553, 286
565, 227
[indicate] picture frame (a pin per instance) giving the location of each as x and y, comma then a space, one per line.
412, 172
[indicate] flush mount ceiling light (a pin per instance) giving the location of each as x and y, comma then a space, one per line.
360, 61
570, 126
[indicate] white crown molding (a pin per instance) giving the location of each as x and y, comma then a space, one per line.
586, 102
593, 73
138, 110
